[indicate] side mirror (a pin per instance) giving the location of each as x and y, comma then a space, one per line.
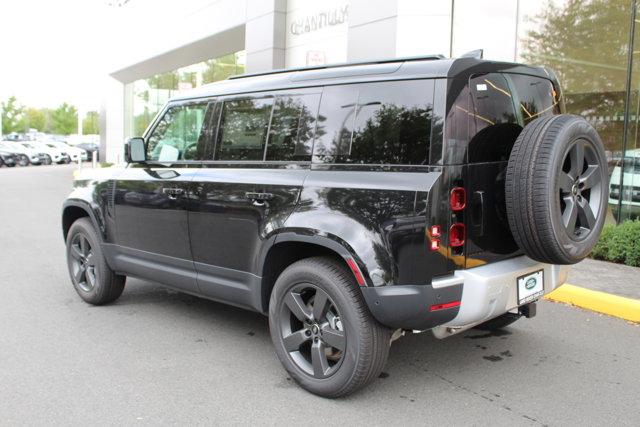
135, 151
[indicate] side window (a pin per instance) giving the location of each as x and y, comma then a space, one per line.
376, 123
177, 134
242, 133
292, 127
493, 121
536, 96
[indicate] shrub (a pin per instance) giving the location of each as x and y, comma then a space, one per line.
619, 244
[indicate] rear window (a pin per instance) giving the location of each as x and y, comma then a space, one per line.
375, 123
489, 114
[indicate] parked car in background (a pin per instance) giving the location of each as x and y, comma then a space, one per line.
54, 153
8, 159
74, 153
90, 148
27, 154
22, 158
630, 192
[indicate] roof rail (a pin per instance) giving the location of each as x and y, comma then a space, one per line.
345, 64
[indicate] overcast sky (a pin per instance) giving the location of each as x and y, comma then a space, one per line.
52, 51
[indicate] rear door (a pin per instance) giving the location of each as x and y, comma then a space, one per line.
500, 105
258, 163
151, 200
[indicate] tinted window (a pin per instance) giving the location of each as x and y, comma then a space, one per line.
243, 129
377, 123
496, 114
536, 96
177, 133
292, 127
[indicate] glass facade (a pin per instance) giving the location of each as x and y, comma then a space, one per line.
145, 97
593, 48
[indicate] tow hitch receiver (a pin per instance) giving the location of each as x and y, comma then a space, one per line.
528, 310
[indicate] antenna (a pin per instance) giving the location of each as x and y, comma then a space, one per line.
477, 54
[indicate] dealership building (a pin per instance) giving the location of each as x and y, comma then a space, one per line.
165, 47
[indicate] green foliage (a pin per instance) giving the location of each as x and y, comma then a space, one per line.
568, 37
91, 123
36, 119
619, 244
64, 119
12, 116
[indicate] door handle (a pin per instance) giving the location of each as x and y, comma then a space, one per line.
173, 193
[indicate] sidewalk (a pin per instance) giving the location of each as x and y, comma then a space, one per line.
607, 277
603, 287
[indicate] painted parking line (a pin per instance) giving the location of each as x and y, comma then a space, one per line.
601, 302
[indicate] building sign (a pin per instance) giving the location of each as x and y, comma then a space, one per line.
316, 57
317, 21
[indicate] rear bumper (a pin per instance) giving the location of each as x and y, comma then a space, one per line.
491, 290
485, 292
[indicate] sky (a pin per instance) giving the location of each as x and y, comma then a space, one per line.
52, 51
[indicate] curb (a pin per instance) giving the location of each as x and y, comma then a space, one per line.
601, 302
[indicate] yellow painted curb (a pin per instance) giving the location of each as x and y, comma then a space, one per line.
602, 302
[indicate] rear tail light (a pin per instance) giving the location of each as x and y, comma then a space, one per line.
457, 234
458, 199
436, 232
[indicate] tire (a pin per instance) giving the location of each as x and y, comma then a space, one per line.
47, 159
346, 323
23, 160
499, 322
556, 189
92, 278
66, 160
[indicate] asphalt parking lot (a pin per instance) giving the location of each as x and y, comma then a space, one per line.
161, 357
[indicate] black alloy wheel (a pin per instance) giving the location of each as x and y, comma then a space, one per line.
83, 267
580, 189
312, 330
323, 332
90, 274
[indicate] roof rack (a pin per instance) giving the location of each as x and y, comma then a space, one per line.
345, 64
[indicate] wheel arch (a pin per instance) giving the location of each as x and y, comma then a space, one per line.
73, 210
290, 247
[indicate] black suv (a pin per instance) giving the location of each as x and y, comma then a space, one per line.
350, 204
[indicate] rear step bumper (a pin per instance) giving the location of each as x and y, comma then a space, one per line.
491, 290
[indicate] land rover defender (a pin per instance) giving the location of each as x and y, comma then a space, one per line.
349, 204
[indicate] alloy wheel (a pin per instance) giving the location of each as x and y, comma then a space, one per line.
580, 189
83, 268
312, 330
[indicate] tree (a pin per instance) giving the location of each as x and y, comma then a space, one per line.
12, 116
91, 123
35, 119
64, 119
586, 43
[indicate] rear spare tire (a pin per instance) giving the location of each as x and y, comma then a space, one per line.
556, 189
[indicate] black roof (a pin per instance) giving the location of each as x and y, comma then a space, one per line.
434, 66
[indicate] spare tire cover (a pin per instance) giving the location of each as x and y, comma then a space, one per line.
556, 189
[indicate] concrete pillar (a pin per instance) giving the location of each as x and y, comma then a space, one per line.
265, 34
112, 133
